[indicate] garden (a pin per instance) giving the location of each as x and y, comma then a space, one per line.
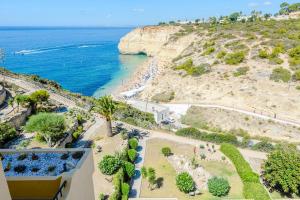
175, 170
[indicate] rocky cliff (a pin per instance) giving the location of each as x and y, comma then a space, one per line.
154, 41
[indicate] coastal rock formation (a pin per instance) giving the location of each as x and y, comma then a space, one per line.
154, 41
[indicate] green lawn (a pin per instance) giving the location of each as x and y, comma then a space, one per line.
164, 170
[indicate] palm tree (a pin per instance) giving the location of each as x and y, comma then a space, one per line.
106, 107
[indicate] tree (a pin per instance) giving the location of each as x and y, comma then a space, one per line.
7, 132
281, 170
50, 126
234, 16
39, 96
166, 151
185, 182
284, 8
218, 186
109, 165
212, 20
22, 100
106, 107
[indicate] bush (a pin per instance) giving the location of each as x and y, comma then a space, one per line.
133, 143
50, 126
22, 156
118, 180
166, 151
209, 51
241, 71
218, 186
125, 189
221, 54
276, 61
263, 146
235, 58
7, 132
192, 70
20, 168
242, 166
252, 189
164, 97
129, 169
209, 137
109, 165
282, 169
297, 75
132, 153
185, 182
280, 74
263, 54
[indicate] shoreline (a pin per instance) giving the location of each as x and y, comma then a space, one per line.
138, 80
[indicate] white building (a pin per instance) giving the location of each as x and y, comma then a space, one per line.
160, 112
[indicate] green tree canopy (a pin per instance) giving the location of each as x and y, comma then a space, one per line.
282, 170
50, 126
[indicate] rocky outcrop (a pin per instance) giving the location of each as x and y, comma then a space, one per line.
154, 41
2, 94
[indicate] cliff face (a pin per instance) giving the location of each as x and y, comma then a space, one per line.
154, 41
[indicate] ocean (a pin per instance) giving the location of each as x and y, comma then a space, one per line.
82, 60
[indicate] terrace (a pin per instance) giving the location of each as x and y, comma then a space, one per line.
46, 174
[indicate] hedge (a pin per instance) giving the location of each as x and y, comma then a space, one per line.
252, 189
209, 137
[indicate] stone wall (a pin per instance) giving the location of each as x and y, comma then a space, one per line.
19, 119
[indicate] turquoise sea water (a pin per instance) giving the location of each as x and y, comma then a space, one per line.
84, 60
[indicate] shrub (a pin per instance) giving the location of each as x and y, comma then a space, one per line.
77, 155
132, 153
218, 186
241, 71
263, 54
166, 151
7, 132
164, 96
133, 143
210, 137
50, 126
282, 169
144, 172
34, 156
280, 74
185, 182
297, 75
252, 189
101, 196
235, 58
263, 146
125, 189
209, 51
275, 61
65, 156
22, 156
20, 168
51, 168
221, 54
109, 165
76, 134
243, 168
129, 169
118, 179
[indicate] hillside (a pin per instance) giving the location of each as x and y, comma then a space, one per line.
252, 66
